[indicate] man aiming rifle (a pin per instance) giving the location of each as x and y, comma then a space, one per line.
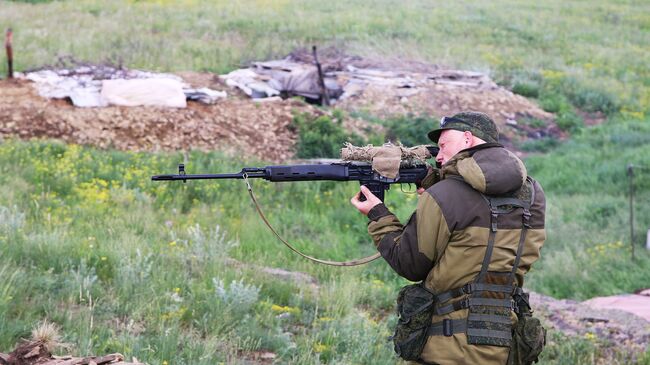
471, 239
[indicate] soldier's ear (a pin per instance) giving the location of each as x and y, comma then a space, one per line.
468, 136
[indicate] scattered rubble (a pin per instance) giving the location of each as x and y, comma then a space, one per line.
389, 89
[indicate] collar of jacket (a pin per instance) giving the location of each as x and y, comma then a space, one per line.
489, 168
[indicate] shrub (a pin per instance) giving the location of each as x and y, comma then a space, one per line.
569, 121
589, 98
534, 122
540, 145
238, 295
527, 89
553, 102
322, 136
558, 92
409, 130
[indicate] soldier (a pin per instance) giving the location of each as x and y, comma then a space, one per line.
473, 236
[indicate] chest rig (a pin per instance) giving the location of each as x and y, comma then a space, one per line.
492, 296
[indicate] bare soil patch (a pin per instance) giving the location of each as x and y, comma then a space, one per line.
234, 125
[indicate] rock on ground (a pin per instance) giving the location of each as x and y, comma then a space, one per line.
618, 329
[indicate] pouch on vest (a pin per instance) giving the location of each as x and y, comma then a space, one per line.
528, 336
489, 321
415, 309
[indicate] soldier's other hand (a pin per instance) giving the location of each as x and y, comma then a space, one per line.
370, 202
421, 190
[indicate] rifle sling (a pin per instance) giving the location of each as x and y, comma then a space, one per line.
356, 262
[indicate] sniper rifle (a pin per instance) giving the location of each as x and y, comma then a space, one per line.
415, 172
337, 171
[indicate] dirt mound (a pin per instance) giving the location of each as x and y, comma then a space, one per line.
262, 128
444, 99
235, 125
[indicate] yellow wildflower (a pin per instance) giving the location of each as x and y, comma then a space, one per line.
284, 309
319, 347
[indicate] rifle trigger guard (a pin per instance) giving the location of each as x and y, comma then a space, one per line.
401, 187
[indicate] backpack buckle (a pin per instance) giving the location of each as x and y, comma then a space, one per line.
526, 218
447, 328
465, 303
493, 221
467, 288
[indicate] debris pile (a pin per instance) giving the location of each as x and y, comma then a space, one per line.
101, 86
34, 352
388, 88
247, 111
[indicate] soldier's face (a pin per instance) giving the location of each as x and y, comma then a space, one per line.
451, 142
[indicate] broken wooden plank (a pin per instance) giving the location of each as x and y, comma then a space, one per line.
4, 358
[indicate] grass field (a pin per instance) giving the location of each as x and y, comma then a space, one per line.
173, 273
600, 46
146, 269
141, 268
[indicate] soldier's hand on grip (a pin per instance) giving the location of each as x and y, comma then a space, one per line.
370, 202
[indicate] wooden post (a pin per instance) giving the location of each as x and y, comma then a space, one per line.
325, 98
630, 174
10, 54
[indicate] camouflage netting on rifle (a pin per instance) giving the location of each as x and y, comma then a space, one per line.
387, 159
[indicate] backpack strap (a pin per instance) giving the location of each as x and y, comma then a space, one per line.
525, 225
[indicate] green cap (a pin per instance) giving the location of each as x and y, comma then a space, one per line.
481, 125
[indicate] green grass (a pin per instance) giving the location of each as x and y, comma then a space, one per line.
596, 50
586, 183
142, 268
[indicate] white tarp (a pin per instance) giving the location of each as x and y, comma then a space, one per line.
250, 83
144, 92
83, 85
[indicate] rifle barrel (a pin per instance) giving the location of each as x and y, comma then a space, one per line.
239, 175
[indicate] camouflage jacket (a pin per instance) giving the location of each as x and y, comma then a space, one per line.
444, 241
